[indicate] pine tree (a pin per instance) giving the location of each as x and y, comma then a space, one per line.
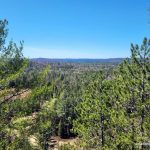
140, 72
12, 65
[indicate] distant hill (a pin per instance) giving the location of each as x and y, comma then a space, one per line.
72, 60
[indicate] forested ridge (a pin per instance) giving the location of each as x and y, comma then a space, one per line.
103, 106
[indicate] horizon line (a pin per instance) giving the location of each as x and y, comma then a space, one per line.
79, 58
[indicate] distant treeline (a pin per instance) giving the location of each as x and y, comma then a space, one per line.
84, 60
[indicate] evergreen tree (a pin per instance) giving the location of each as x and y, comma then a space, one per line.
12, 65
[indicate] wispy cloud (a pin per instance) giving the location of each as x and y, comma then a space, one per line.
33, 52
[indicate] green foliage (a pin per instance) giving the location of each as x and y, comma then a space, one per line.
114, 112
12, 65
67, 147
106, 109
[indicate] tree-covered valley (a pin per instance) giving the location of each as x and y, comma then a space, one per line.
97, 105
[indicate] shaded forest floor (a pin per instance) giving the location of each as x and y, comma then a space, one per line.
56, 142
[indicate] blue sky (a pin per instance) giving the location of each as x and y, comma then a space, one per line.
77, 28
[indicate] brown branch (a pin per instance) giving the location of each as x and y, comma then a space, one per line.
10, 97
